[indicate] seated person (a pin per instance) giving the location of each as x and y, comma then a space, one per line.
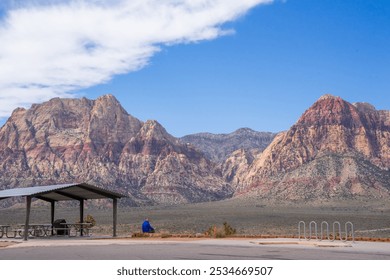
146, 227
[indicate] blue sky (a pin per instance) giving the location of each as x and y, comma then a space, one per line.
261, 68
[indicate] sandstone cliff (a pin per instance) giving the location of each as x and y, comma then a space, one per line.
97, 141
336, 149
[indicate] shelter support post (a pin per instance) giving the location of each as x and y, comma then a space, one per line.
81, 214
115, 213
52, 212
27, 223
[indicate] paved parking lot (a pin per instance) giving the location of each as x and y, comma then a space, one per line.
192, 249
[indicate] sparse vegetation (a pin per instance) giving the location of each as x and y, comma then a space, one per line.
89, 219
220, 232
141, 234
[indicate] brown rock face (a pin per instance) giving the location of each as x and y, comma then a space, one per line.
168, 171
335, 149
236, 166
218, 147
97, 141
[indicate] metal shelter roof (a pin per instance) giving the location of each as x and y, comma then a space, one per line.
75, 191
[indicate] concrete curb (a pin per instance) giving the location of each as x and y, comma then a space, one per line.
304, 243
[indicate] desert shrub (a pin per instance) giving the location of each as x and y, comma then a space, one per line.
228, 229
91, 220
220, 232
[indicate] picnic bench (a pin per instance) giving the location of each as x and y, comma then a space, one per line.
36, 230
45, 230
77, 229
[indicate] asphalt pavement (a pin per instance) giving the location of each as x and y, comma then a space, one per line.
190, 249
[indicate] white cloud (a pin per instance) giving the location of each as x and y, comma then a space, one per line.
52, 48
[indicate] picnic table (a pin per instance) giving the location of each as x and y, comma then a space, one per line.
43, 230
37, 230
4, 230
8, 230
77, 228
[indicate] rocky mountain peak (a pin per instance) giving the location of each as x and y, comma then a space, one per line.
108, 98
364, 107
334, 149
331, 110
16, 115
244, 130
19, 110
328, 96
153, 129
153, 139
109, 122
108, 102
334, 125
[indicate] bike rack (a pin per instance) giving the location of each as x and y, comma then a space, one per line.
334, 231
299, 230
315, 230
352, 231
336, 225
322, 231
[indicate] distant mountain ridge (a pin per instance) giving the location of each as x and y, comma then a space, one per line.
335, 150
218, 147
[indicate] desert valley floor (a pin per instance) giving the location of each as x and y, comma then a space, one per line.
370, 218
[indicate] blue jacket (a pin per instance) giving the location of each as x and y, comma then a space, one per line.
146, 227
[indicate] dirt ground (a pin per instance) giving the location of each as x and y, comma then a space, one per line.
5, 244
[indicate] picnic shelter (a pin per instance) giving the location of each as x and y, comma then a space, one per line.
64, 192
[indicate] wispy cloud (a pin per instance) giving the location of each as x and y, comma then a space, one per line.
54, 47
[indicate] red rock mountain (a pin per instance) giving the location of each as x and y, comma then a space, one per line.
336, 149
97, 141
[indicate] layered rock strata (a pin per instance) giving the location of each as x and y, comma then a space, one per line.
336, 149
97, 141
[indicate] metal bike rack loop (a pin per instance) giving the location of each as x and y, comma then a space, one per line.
315, 230
322, 230
325, 226
299, 230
